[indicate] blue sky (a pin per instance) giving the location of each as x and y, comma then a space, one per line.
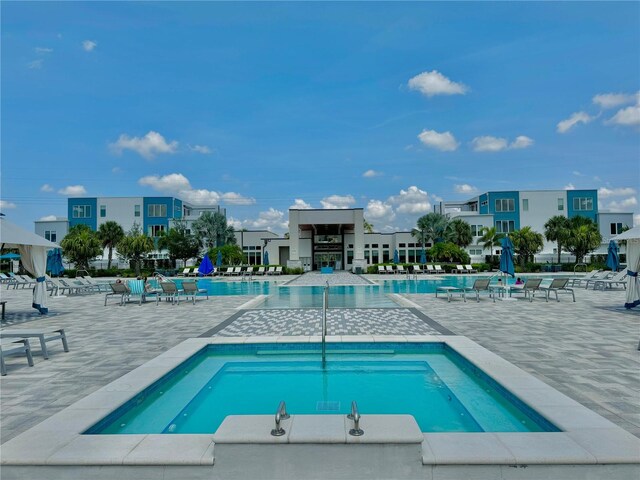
261, 106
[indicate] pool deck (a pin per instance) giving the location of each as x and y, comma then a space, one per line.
586, 350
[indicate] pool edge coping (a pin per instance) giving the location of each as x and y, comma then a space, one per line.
59, 440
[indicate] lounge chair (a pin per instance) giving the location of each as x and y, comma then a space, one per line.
184, 272
558, 285
260, 271
138, 288
170, 292
17, 347
529, 289
271, 271
438, 269
430, 269
237, 271
117, 289
190, 289
449, 291
381, 270
228, 272
460, 269
21, 281
617, 280
44, 335
74, 287
278, 271
5, 278
577, 281
400, 269
481, 285
417, 270
248, 272
100, 287
470, 269
389, 269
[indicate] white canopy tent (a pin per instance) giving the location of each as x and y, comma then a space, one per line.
33, 250
632, 237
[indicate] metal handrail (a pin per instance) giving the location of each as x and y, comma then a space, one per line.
580, 264
356, 431
281, 414
325, 306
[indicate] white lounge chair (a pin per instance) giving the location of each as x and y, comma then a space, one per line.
260, 271
430, 269
400, 269
470, 269
44, 335
228, 272
438, 269
381, 270
185, 272
460, 269
17, 347
417, 270
449, 291
271, 271
389, 269
278, 271
593, 274
617, 280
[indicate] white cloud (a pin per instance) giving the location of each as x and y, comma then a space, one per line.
412, 200
179, 185
89, 45
46, 188
371, 174
622, 205
569, 186
48, 218
377, 209
434, 83
73, 191
488, 143
272, 219
300, 204
465, 188
604, 192
441, 141
4, 204
629, 116
575, 118
148, 146
43, 50
612, 100
200, 149
521, 141
36, 64
577, 173
116, 170
338, 201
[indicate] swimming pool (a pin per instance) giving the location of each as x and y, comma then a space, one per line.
432, 382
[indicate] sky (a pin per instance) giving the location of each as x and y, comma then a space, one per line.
260, 107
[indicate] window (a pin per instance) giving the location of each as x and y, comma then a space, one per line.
525, 204
136, 210
103, 211
375, 245
385, 245
560, 204
476, 230
402, 245
583, 203
374, 256
505, 205
157, 210
154, 230
505, 226
616, 228
82, 211
475, 251
385, 256
484, 203
366, 245
350, 245
51, 235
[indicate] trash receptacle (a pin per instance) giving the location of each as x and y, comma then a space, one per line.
358, 270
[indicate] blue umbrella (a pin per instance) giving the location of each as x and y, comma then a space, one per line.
423, 257
506, 257
396, 257
206, 267
613, 259
9, 256
265, 260
54, 262
219, 259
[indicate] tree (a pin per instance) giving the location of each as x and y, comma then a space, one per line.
448, 252
526, 243
490, 239
231, 254
368, 227
583, 237
459, 232
556, 230
81, 245
430, 227
179, 242
211, 230
134, 245
110, 233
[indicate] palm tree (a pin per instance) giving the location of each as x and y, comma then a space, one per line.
110, 233
134, 245
212, 230
459, 232
81, 245
430, 227
180, 244
556, 230
368, 227
526, 243
584, 237
490, 239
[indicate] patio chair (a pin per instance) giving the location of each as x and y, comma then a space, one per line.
617, 280
228, 272
17, 347
278, 271
400, 269
438, 269
237, 271
100, 287
271, 271
184, 272
390, 269
260, 271
470, 269
593, 274
5, 278
381, 270
248, 272
117, 289
44, 335
138, 289
529, 289
417, 270
558, 285
430, 269
481, 285
170, 292
460, 269
74, 288
190, 289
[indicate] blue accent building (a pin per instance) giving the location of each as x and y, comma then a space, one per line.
83, 211
582, 203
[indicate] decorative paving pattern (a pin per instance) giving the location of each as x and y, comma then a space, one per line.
317, 279
340, 321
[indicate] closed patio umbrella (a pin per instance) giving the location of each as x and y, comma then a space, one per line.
206, 267
54, 262
423, 257
219, 259
396, 257
265, 260
506, 257
613, 259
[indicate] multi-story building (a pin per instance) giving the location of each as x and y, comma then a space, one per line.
511, 210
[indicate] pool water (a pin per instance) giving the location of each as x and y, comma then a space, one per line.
429, 381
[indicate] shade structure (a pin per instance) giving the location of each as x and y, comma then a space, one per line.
265, 259
9, 256
632, 237
54, 262
219, 259
423, 256
506, 257
206, 267
613, 259
33, 250
396, 257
